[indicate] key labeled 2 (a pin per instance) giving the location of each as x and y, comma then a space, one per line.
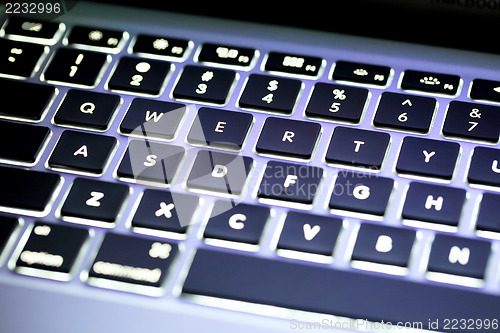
144, 76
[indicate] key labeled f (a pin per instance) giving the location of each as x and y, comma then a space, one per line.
289, 180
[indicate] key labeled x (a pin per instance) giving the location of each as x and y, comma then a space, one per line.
165, 210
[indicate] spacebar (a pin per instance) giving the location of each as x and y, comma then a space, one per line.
367, 298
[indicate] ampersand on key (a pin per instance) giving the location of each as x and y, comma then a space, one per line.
475, 113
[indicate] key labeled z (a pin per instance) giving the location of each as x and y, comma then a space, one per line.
93, 201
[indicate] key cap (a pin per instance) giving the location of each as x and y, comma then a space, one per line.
431, 82
131, 259
472, 121
226, 55
165, 211
27, 191
220, 128
7, 226
405, 112
19, 58
82, 152
51, 247
90, 199
204, 84
362, 193
357, 147
309, 233
361, 73
219, 172
237, 222
426, 157
484, 167
87, 109
270, 93
21, 143
321, 289
487, 218
41, 31
161, 46
144, 76
98, 38
152, 119
77, 67
287, 137
485, 90
290, 182
293, 64
383, 245
459, 256
434, 203
336, 102
26, 109
146, 161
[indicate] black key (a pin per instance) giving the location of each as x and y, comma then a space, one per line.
487, 218
237, 222
405, 112
290, 182
472, 121
42, 31
361, 73
90, 199
459, 256
383, 245
161, 46
287, 137
220, 172
138, 75
426, 157
87, 109
100, 38
165, 211
152, 119
356, 147
485, 90
19, 58
226, 55
336, 102
309, 233
52, 247
220, 128
485, 167
431, 82
150, 162
84, 152
7, 226
28, 191
270, 93
434, 203
21, 143
293, 64
362, 193
77, 67
30, 109
321, 289
204, 84
131, 259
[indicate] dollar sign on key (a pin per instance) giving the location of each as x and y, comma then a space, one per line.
273, 85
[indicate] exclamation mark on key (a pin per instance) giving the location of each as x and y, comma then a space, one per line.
74, 68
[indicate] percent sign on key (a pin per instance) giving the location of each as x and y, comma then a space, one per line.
339, 94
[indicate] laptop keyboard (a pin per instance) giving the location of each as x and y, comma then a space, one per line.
122, 157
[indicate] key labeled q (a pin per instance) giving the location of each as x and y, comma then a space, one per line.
87, 107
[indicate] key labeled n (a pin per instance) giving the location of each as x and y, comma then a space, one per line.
153, 115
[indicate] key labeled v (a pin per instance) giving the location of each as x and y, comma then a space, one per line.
310, 232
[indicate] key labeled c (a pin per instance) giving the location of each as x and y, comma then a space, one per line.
236, 221
87, 107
